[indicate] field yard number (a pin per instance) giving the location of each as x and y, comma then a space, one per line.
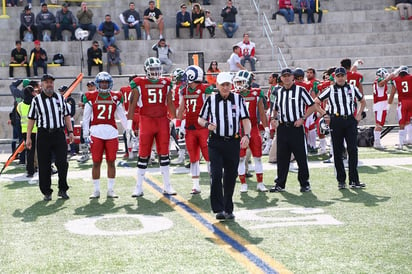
266, 217
149, 224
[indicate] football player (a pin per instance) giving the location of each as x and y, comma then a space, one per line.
380, 104
153, 95
101, 108
192, 98
254, 101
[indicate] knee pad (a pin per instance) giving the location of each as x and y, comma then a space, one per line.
258, 164
242, 166
142, 162
164, 160
194, 168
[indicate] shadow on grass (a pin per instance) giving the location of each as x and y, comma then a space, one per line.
361, 196
147, 207
20, 184
371, 169
307, 199
40, 208
262, 200
228, 231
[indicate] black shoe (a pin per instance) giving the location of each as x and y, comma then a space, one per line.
229, 216
29, 176
357, 185
341, 185
63, 195
305, 189
277, 188
220, 216
47, 197
248, 175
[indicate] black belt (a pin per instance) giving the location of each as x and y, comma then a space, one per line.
287, 124
225, 138
51, 130
346, 117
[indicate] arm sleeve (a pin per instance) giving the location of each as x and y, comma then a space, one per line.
121, 115
87, 114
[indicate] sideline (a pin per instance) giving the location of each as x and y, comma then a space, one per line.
246, 253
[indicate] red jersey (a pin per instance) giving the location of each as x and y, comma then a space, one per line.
354, 78
104, 107
127, 93
379, 93
194, 100
153, 96
306, 85
403, 85
252, 98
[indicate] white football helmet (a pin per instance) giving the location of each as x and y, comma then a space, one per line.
178, 75
323, 126
404, 69
104, 76
382, 73
153, 68
194, 74
242, 80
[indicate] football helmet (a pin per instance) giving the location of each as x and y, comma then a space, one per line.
382, 73
101, 77
194, 74
404, 69
242, 80
298, 72
153, 68
178, 75
323, 126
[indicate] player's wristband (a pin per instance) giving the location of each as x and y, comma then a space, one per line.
70, 131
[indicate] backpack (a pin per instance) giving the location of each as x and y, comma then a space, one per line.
58, 59
365, 137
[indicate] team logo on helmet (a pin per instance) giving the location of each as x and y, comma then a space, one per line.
323, 127
194, 74
242, 80
178, 75
153, 68
104, 77
382, 73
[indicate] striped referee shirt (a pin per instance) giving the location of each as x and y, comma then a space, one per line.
226, 114
341, 99
290, 103
49, 112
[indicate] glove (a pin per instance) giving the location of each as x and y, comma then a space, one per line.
266, 136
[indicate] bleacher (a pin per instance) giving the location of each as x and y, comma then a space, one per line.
350, 28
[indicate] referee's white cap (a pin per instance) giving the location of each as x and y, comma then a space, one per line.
224, 77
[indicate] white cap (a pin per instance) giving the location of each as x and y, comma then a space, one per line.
224, 77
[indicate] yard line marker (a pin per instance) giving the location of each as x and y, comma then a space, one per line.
246, 253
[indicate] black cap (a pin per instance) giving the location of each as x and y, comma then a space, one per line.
340, 70
47, 77
27, 7
63, 88
286, 71
44, 4
90, 83
64, 5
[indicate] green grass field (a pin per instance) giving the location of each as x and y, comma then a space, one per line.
325, 231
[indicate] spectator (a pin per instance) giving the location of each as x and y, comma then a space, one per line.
94, 58
183, 21
234, 60
27, 23
40, 58
153, 16
45, 20
85, 17
113, 58
212, 73
65, 20
108, 30
198, 19
163, 50
229, 19
18, 56
14, 121
303, 6
210, 24
131, 20
247, 52
317, 10
12, 3
286, 9
402, 5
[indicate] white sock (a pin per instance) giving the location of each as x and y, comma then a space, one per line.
165, 170
322, 143
408, 133
402, 136
110, 183
312, 138
196, 183
140, 176
96, 183
377, 136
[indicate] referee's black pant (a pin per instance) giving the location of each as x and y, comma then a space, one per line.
224, 161
48, 142
291, 139
345, 128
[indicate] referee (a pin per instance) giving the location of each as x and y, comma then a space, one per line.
344, 125
289, 111
222, 114
51, 114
